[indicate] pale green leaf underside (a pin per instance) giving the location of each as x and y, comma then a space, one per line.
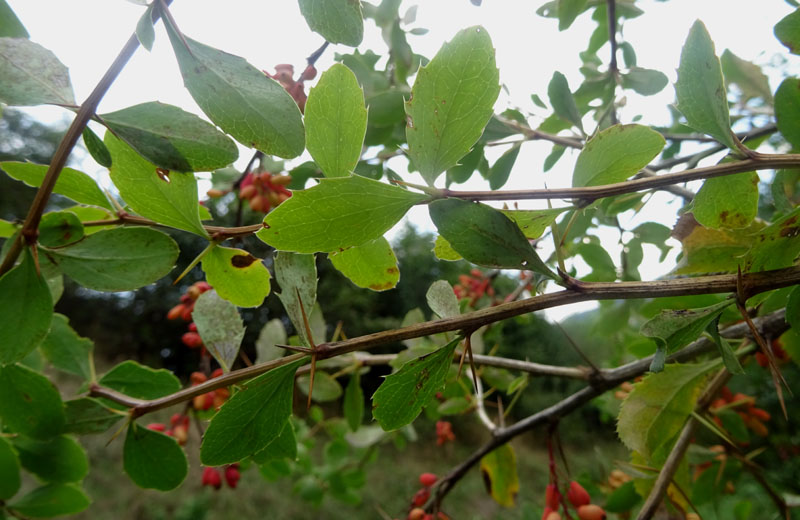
336, 121
253, 108
336, 214
615, 154
219, 324
371, 265
338, 21
442, 300
402, 395
656, 409
169, 199
701, 93
676, 328
32, 75
451, 102
727, 202
297, 276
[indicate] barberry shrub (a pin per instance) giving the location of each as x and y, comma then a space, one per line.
733, 294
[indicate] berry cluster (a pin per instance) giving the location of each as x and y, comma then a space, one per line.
284, 75
577, 496
215, 398
184, 311
473, 286
444, 432
212, 477
753, 417
420, 497
179, 428
264, 190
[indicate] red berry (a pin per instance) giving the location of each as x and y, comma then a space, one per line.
427, 479
216, 373
421, 497
197, 377
552, 497
176, 312
577, 495
176, 419
591, 512
192, 340
212, 478
416, 514
553, 516
158, 427
192, 327
232, 476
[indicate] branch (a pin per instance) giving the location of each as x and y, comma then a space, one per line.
753, 284
679, 449
774, 323
29, 231
613, 69
216, 232
591, 193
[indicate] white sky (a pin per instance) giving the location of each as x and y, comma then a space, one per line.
86, 35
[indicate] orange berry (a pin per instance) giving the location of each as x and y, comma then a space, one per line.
214, 193
281, 180
257, 203
577, 495
176, 312
181, 434
759, 414
216, 373
553, 516
416, 514
591, 512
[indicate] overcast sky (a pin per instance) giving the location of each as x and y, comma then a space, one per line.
86, 35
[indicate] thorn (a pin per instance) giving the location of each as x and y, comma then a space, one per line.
313, 348
294, 348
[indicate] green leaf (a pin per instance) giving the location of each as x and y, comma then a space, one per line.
219, 324
702, 97
253, 108
52, 500
26, 310
169, 198
336, 214
32, 75
466, 166
657, 407
139, 381
283, 446
533, 222
562, 100
788, 31
59, 228
66, 350
442, 300
60, 459
603, 268
86, 416
787, 110
727, 202
776, 245
567, 11
444, 251
153, 460
501, 169
71, 183
10, 24
120, 259
499, 470
326, 388
451, 102
144, 29
725, 350
371, 265
484, 236
401, 396
454, 406
29, 403
250, 419
622, 499
273, 333
97, 149
237, 276
615, 154
336, 121
9, 468
793, 309
752, 82
7, 229
338, 21
297, 276
87, 213
646, 82
172, 138
674, 329
353, 405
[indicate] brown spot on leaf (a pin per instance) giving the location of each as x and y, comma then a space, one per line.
242, 261
27, 397
381, 286
391, 270
163, 174
723, 216
790, 231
